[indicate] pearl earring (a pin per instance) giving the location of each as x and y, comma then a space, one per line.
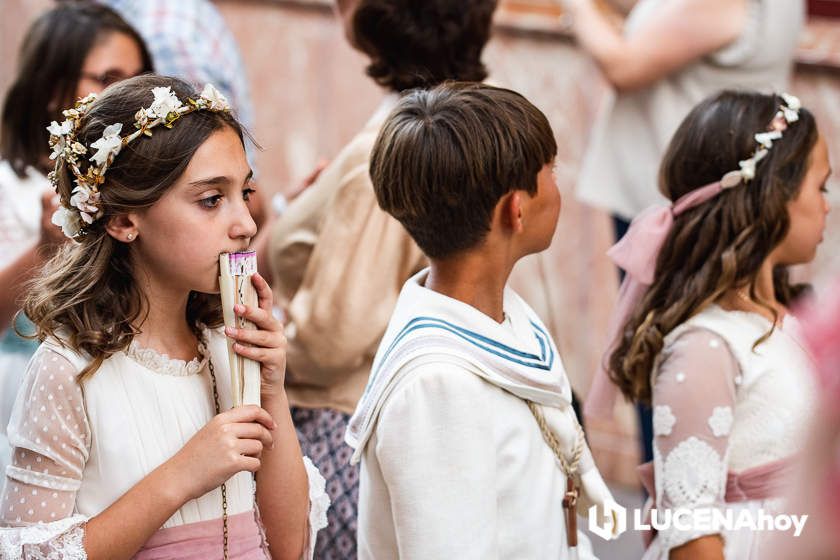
130, 236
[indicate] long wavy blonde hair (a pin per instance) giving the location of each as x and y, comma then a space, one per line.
721, 244
86, 296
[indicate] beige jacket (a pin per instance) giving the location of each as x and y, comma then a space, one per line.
338, 263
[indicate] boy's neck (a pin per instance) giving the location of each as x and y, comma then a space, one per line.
473, 278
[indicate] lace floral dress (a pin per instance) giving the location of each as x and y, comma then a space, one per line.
724, 414
78, 448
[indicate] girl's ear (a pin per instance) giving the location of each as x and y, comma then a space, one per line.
122, 228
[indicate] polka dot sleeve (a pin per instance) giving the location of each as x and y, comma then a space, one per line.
50, 439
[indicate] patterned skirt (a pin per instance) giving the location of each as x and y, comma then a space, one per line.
321, 435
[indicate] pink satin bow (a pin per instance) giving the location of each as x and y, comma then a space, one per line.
636, 254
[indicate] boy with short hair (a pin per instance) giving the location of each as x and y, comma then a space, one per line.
454, 462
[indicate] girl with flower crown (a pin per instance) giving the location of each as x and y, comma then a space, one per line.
69, 51
704, 329
124, 440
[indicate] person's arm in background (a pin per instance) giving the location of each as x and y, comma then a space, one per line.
675, 34
350, 286
13, 277
622, 6
260, 244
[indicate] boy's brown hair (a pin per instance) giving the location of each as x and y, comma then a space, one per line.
446, 156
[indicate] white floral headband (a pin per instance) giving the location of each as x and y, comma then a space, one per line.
787, 114
84, 207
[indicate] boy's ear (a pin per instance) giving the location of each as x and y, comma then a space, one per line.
122, 228
514, 211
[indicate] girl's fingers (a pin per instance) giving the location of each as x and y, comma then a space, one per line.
250, 447
264, 293
261, 355
251, 464
253, 431
264, 339
260, 317
248, 413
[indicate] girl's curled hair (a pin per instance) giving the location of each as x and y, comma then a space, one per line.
719, 245
86, 295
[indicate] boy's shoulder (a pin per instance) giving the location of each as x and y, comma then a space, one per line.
439, 378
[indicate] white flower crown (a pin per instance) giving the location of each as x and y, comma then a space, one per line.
786, 115
83, 208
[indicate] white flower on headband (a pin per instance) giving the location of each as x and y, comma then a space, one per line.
789, 114
748, 165
109, 144
86, 200
215, 99
60, 131
766, 138
165, 102
84, 206
69, 221
89, 98
791, 101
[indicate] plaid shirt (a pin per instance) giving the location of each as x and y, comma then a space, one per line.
189, 39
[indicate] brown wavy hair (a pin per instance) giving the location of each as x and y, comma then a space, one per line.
86, 296
721, 244
49, 69
421, 44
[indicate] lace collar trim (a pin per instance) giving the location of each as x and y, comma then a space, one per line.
163, 364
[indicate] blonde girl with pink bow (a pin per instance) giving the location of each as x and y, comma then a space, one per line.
703, 329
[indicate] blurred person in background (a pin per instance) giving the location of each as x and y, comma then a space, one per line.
189, 39
670, 55
71, 50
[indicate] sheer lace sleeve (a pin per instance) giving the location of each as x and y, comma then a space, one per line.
50, 439
693, 403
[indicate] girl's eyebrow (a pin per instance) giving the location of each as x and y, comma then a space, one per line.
219, 180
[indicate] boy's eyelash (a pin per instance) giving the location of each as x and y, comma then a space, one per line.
247, 192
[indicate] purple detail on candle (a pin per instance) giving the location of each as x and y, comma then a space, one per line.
243, 263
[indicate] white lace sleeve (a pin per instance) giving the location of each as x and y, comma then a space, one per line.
319, 503
693, 404
60, 540
50, 438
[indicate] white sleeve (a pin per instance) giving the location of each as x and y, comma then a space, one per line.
50, 439
693, 411
436, 450
319, 503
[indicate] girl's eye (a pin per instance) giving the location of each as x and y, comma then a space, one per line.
210, 201
246, 193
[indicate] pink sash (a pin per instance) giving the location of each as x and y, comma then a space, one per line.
758, 483
203, 541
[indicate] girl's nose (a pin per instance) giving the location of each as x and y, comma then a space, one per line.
244, 225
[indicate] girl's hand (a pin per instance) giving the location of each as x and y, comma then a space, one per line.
231, 442
265, 344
